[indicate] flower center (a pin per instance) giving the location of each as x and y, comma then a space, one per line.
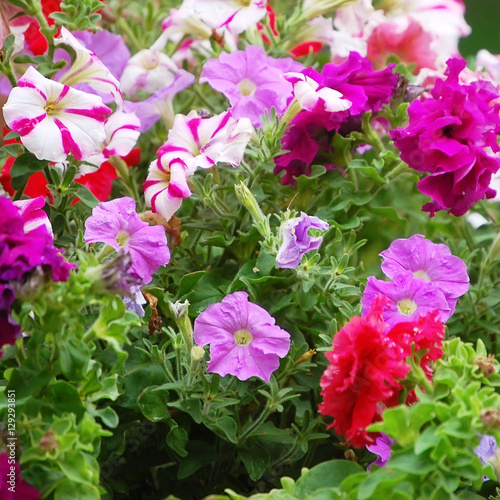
243, 337
407, 307
421, 274
245, 3
50, 109
247, 87
151, 63
122, 238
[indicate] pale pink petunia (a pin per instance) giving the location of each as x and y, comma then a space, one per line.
243, 337
55, 120
87, 68
149, 70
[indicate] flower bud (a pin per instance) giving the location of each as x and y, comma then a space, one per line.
486, 365
491, 418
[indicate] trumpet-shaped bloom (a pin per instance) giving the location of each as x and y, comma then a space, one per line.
87, 68
382, 448
243, 339
149, 70
235, 15
122, 133
430, 261
193, 142
409, 297
55, 120
251, 80
117, 224
309, 94
296, 240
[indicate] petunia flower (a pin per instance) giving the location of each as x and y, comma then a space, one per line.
452, 135
117, 224
55, 120
409, 297
193, 142
22, 489
251, 80
296, 240
489, 453
33, 215
382, 448
430, 261
122, 134
149, 70
235, 15
244, 340
364, 372
88, 68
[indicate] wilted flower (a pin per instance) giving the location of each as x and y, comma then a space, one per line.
430, 261
251, 80
244, 341
117, 224
55, 120
296, 240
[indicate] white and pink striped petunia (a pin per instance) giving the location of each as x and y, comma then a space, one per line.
308, 94
122, 134
55, 120
193, 142
88, 68
33, 215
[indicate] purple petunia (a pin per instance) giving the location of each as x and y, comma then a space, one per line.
452, 135
117, 224
252, 81
244, 341
430, 261
409, 298
296, 240
489, 453
26, 246
382, 448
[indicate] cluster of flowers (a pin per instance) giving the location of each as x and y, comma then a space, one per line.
27, 257
370, 354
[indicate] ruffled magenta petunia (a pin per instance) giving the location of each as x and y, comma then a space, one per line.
430, 261
452, 135
309, 137
296, 240
117, 224
244, 340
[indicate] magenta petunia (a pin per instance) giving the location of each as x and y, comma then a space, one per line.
296, 240
309, 137
21, 490
244, 340
430, 261
452, 135
117, 224
382, 448
252, 81
409, 298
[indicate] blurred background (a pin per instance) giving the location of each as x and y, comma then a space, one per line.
484, 18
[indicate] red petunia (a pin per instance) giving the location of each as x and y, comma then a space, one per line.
363, 376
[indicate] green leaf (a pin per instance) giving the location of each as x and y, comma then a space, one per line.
108, 416
188, 281
69, 490
228, 426
327, 474
64, 398
177, 439
79, 467
256, 460
191, 406
153, 403
87, 196
74, 357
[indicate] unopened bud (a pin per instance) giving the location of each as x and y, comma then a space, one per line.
48, 442
315, 8
179, 309
197, 352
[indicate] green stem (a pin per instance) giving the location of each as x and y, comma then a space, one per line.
122, 23
255, 425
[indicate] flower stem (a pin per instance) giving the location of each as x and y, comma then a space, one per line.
255, 425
